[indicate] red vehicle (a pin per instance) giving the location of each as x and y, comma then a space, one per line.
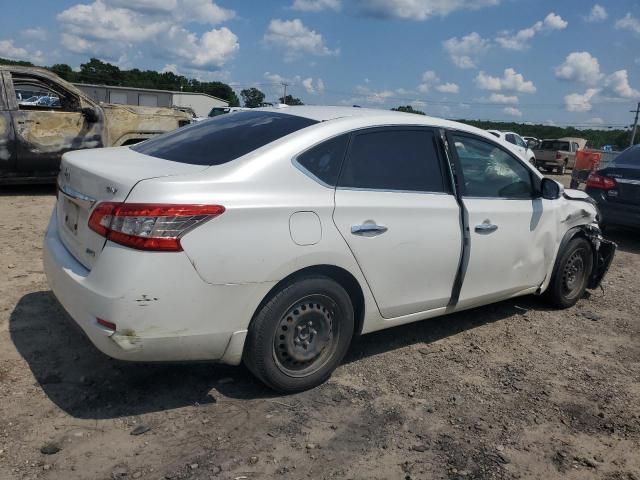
588, 161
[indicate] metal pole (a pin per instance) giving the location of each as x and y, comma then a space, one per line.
635, 124
284, 97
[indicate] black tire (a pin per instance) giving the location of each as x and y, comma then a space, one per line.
563, 169
571, 275
285, 349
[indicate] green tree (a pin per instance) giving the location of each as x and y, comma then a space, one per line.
289, 100
97, 71
407, 109
64, 71
252, 97
7, 61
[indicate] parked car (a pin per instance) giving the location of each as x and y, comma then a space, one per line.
615, 186
275, 235
514, 139
558, 155
36, 132
587, 161
532, 142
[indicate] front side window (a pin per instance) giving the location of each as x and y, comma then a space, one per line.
491, 172
511, 138
520, 142
223, 138
324, 161
33, 93
393, 159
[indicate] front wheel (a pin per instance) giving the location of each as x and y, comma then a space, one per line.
300, 335
571, 276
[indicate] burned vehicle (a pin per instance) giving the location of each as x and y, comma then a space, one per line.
34, 135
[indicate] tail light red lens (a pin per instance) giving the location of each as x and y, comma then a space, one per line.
601, 182
149, 226
558, 156
106, 324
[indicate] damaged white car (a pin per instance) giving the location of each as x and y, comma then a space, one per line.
275, 235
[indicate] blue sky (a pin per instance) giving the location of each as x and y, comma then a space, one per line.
562, 62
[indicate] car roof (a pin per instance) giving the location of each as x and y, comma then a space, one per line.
376, 116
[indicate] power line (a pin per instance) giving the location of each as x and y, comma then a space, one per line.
635, 124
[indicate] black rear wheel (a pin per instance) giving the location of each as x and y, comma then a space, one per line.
571, 275
300, 335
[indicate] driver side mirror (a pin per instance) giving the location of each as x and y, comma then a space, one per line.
90, 114
550, 189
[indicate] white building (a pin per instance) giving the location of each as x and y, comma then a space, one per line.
200, 103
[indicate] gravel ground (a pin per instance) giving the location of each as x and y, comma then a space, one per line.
512, 390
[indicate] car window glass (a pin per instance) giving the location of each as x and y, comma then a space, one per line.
520, 142
510, 137
35, 94
491, 172
223, 138
576, 147
324, 160
394, 159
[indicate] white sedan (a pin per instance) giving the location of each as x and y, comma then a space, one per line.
521, 147
275, 235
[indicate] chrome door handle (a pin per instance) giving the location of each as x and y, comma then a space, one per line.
486, 228
368, 229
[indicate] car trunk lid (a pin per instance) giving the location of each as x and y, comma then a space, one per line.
89, 177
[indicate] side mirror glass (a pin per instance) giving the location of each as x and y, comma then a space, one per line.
551, 190
90, 114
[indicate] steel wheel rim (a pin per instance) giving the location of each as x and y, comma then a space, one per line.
306, 336
574, 273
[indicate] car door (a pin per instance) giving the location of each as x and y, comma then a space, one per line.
511, 228
45, 131
395, 209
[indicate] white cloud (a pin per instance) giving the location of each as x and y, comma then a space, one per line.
581, 67
37, 33
213, 49
598, 14
514, 112
617, 84
418, 104
431, 80
596, 121
576, 102
316, 5
502, 98
372, 96
464, 52
115, 28
448, 88
511, 81
295, 39
519, 40
629, 22
419, 9
312, 89
9, 50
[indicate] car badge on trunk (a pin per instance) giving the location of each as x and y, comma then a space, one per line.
112, 190
67, 174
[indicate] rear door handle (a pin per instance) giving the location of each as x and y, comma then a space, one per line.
486, 228
368, 229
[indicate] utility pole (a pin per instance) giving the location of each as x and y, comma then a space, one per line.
284, 96
635, 124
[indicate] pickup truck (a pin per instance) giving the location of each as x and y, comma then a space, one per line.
33, 137
558, 154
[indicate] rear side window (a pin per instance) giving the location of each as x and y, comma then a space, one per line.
405, 160
629, 158
324, 161
223, 138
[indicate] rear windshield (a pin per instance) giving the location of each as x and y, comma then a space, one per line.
629, 158
222, 139
554, 145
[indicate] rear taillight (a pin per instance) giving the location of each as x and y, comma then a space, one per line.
601, 182
558, 156
149, 226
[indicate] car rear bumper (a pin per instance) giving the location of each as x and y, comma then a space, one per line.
162, 308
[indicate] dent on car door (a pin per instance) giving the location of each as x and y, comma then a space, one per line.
44, 132
511, 227
395, 210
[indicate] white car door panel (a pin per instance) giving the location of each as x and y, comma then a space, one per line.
396, 212
510, 227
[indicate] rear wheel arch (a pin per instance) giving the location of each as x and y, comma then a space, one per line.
338, 274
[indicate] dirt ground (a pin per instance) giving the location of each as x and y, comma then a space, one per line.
512, 390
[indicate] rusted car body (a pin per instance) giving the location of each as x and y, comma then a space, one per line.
33, 138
